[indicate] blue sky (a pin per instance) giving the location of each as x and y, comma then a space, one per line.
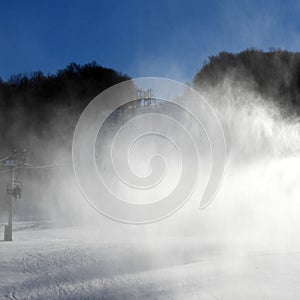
170, 38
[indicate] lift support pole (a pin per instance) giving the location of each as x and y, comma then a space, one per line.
14, 191
8, 228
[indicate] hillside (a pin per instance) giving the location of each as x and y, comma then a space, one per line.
38, 106
274, 75
39, 113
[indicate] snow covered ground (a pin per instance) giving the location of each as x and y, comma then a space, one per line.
48, 261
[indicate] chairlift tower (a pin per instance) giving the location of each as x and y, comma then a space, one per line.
145, 96
13, 191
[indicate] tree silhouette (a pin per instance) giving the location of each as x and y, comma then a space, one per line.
276, 74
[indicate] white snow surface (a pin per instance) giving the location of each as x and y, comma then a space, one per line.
49, 260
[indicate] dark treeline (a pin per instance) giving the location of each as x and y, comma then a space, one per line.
274, 74
36, 106
39, 113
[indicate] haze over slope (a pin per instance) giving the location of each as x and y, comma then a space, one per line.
274, 75
255, 95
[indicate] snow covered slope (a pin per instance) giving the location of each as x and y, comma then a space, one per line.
59, 262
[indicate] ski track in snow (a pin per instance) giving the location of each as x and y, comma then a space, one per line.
64, 267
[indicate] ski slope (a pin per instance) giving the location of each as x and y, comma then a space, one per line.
63, 262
